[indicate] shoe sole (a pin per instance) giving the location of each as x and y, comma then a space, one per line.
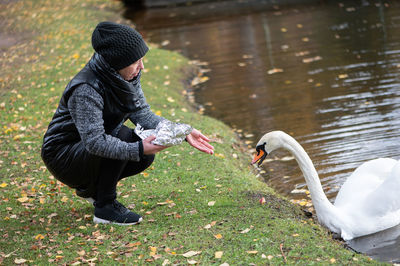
98, 220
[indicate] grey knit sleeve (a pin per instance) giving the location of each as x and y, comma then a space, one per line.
86, 109
143, 115
146, 118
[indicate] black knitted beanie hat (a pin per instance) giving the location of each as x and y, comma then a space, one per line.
120, 45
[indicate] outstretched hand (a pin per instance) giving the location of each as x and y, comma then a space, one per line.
200, 142
150, 148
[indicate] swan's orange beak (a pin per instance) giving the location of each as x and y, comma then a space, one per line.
259, 157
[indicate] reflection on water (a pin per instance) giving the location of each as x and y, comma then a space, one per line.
325, 73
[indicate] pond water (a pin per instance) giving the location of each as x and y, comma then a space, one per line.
327, 73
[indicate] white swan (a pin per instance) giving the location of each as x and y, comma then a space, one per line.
368, 202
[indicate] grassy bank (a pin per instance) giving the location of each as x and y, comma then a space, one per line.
197, 208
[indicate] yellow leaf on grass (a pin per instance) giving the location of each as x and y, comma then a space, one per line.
252, 252
153, 251
218, 254
302, 203
3, 184
39, 236
64, 199
23, 199
218, 236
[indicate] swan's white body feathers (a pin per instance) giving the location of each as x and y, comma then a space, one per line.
368, 202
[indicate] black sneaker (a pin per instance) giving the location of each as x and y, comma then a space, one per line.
115, 213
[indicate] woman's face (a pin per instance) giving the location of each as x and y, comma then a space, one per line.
131, 71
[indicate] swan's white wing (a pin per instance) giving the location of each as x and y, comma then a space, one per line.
375, 202
386, 198
364, 181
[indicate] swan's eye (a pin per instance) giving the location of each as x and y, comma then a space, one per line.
260, 148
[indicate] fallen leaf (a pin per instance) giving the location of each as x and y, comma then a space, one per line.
332, 260
165, 202
245, 231
211, 203
19, 261
208, 226
192, 262
3, 184
23, 199
218, 236
218, 254
52, 215
219, 155
64, 199
131, 245
39, 236
312, 59
252, 251
275, 70
153, 251
191, 254
262, 201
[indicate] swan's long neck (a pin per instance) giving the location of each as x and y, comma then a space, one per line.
319, 199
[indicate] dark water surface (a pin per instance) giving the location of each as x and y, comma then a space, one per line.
326, 73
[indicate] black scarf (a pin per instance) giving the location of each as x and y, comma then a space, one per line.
124, 94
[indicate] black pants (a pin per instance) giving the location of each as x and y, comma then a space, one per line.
91, 175
111, 171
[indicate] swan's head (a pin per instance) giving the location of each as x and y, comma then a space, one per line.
268, 143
